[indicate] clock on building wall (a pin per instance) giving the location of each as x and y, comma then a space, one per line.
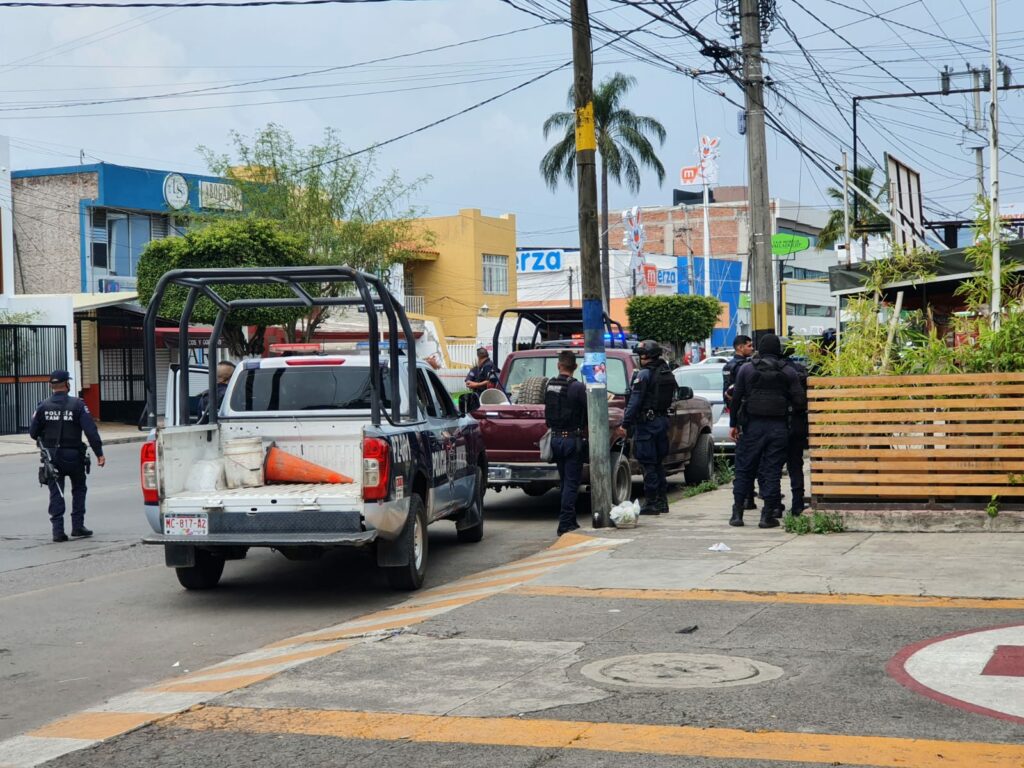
175, 191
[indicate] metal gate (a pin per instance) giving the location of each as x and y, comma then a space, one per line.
28, 354
122, 377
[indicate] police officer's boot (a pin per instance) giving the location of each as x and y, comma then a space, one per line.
768, 517
737, 514
663, 504
78, 529
749, 503
59, 537
799, 505
651, 506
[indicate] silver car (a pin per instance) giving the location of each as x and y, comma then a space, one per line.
705, 379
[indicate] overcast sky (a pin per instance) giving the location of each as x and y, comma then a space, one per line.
488, 158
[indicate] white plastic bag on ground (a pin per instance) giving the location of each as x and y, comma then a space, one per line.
626, 514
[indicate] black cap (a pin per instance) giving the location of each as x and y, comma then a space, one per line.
648, 348
59, 376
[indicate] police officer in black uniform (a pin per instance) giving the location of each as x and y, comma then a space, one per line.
650, 396
565, 412
799, 434
59, 422
743, 350
766, 393
485, 374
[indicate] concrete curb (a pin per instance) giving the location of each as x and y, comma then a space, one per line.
929, 521
18, 449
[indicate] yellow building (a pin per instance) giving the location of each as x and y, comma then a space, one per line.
469, 272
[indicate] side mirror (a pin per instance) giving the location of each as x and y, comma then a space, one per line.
684, 393
469, 402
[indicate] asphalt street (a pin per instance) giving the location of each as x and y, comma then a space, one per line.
89, 619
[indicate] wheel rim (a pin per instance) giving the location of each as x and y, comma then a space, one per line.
417, 543
623, 481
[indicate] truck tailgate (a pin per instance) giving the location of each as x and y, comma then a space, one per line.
315, 514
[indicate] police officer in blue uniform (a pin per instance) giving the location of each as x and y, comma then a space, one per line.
59, 422
650, 396
766, 394
485, 374
565, 412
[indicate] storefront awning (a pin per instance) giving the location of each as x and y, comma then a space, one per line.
952, 265
83, 302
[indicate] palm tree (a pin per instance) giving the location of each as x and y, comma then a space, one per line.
622, 144
868, 220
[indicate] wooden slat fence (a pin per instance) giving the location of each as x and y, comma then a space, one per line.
886, 439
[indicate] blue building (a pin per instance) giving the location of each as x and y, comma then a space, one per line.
79, 232
82, 228
726, 279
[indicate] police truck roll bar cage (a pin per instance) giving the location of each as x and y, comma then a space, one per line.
551, 323
203, 283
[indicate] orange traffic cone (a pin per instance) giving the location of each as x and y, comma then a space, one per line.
283, 467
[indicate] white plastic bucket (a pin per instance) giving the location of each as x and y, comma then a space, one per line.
243, 462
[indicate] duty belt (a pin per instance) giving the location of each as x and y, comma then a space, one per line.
566, 432
651, 415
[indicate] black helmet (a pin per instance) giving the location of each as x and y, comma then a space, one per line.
648, 348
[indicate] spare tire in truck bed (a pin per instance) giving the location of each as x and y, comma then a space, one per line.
531, 391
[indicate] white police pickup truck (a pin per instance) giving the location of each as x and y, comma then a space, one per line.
411, 459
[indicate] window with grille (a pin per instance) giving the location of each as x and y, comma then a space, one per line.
495, 274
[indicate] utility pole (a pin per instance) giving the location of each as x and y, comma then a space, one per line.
570, 286
760, 269
594, 362
993, 132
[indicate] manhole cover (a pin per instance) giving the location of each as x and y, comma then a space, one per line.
679, 670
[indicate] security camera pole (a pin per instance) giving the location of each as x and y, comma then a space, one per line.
594, 366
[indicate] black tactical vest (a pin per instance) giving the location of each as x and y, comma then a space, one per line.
769, 389
61, 430
661, 389
560, 413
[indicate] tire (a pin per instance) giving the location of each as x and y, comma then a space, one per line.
531, 392
410, 576
622, 479
537, 489
475, 533
702, 460
205, 574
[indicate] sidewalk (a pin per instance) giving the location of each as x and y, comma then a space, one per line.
111, 432
874, 649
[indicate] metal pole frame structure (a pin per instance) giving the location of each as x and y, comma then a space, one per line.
594, 360
913, 94
994, 221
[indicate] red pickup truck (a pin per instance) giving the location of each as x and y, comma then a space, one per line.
512, 426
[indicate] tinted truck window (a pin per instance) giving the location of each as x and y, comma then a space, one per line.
523, 368
304, 388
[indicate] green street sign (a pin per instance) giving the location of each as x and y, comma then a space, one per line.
783, 244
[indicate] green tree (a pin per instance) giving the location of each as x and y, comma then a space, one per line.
622, 145
676, 319
242, 242
868, 220
332, 201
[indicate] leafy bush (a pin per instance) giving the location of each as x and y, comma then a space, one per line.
677, 319
818, 522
